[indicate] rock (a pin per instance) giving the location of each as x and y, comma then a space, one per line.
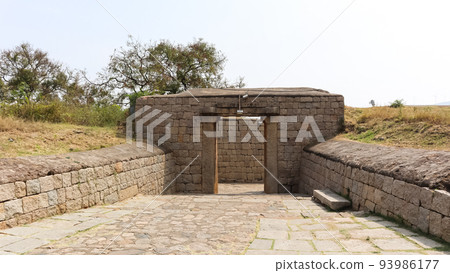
47, 183
30, 203
33, 187
441, 202
118, 167
52, 198
7, 192
21, 189
13, 207
331, 199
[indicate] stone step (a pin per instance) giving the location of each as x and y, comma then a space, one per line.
331, 199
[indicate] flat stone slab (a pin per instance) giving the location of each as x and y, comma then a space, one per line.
178, 225
25, 245
331, 199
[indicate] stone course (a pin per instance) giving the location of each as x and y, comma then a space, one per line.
327, 109
405, 184
78, 180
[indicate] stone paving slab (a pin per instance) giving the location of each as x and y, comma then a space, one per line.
250, 223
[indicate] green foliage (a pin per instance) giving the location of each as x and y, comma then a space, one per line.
56, 112
397, 104
141, 69
28, 75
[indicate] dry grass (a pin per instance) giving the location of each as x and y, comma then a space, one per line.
429, 114
410, 126
23, 138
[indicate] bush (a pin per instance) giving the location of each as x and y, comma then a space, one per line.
397, 104
56, 112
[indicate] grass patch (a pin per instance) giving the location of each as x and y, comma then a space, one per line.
24, 138
410, 126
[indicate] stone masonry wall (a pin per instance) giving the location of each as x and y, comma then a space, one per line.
405, 184
326, 108
236, 163
36, 187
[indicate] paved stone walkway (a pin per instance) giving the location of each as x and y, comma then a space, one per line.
239, 220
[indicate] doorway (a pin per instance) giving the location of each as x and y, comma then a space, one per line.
243, 160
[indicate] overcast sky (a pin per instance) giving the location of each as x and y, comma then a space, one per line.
381, 50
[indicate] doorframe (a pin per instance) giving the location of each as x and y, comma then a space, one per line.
209, 162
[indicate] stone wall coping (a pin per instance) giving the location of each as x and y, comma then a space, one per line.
425, 168
252, 92
32, 167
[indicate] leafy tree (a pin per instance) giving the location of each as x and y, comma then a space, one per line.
163, 67
28, 74
80, 91
372, 102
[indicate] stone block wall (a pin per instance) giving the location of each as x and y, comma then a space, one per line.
326, 108
405, 184
32, 188
235, 161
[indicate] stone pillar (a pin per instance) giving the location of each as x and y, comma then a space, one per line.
270, 156
210, 172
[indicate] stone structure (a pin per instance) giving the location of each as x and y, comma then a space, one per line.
409, 185
235, 161
282, 159
36, 187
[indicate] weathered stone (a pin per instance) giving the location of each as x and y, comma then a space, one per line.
441, 202
353, 245
118, 167
426, 197
445, 229
13, 207
435, 224
261, 244
30, 203
411, 194
57, 181
423, 221
331, 199
33, 187
66, 180
398, 188
112, 198
395, 244
20, 189
25, 245
7, 192
388, 183
326, 245
2, 212
43, 200
128, 192
46, 183
292, 245
52, 198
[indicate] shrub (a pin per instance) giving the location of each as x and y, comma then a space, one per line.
397, 104
56, 112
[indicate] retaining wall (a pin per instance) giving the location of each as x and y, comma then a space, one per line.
40, 186
410, 185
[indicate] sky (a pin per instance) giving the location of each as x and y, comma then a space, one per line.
380, 50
